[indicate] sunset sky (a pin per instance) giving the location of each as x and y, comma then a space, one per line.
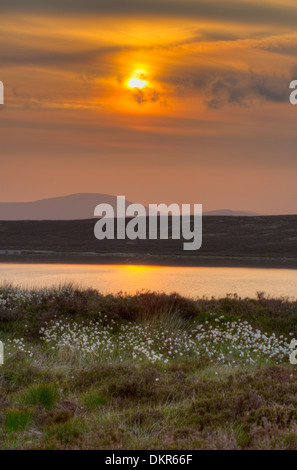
181, 101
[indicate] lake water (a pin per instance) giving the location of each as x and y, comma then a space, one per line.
191, 282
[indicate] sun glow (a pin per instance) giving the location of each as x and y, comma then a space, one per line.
138, 80
137, 83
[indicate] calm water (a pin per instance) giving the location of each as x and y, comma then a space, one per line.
192, 282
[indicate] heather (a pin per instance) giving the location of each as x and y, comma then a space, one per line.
146, 371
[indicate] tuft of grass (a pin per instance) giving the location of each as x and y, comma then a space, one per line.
45, 395
18, 420
65, 434
93, 399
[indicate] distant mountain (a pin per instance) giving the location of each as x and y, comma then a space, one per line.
231, 213
72, 207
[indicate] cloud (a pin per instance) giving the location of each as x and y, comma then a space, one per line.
284, 45
243, 89
144, 95
220, 88
46, 58
224, 10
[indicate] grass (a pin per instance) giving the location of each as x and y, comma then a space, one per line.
150, 371
17, 420
93, 399
44, 395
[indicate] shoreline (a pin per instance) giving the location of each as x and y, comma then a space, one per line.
239, 242
150, 260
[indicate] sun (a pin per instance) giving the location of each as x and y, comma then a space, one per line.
136, 83
137, 80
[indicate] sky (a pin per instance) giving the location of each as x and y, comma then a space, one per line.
182, 101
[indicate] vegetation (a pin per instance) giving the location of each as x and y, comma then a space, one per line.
149, 371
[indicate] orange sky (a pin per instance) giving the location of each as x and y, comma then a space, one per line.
213, 125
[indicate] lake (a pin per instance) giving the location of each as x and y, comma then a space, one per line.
191, 282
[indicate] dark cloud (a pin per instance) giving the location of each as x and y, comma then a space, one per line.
145, 95
29, 56
224, 10
284, 46
221, 88
243, 89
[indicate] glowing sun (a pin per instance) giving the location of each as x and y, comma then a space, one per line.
137, 81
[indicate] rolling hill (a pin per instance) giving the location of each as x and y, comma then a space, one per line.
74, 207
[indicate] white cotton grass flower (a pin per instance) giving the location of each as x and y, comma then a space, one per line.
226, 343
12, 297
217, 339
